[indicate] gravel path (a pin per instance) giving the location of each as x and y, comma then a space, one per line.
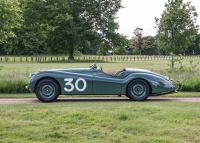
95, 99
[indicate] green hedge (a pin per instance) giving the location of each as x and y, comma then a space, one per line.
13, 86
191, 84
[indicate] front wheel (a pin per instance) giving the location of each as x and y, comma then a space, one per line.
47, 90
138, 90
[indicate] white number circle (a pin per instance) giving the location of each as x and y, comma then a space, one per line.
84, 84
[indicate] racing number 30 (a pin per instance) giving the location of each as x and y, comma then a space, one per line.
71, 86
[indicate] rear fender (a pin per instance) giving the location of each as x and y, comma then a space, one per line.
158, 84
140, 79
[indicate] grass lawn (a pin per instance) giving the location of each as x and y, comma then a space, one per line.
24, 68
97, 122
102, 122
21, 70
32, 95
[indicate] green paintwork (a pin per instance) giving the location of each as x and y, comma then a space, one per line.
92, 80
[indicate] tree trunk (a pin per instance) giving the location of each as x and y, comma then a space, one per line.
172, 62
71, 54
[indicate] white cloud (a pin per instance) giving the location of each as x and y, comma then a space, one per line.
141, 13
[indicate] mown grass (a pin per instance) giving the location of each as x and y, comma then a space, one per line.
27, 67
102, 122
15, 75
183, 94
24, 68
32, 95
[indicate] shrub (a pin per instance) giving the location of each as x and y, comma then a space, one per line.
13, 86
191, 84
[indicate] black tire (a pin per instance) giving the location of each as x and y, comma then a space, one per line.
127, 95
47, 90
138, 90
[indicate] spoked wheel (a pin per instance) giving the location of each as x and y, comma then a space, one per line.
47, 90
138, 90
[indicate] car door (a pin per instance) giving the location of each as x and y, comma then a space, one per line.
78, 83
106, 84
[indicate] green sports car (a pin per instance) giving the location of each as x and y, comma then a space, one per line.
136, 84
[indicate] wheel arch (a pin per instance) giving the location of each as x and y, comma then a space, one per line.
140, 79
47, 77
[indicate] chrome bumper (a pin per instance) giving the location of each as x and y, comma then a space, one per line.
28, 88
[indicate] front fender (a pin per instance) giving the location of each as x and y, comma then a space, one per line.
35, 78
158, 84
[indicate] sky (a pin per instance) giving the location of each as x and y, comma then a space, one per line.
141, 13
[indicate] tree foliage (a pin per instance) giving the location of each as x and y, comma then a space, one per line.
138, 42
177, 27
10, 18
30, 27
120, 50
58, 27
153, 48
194, 49
70, 25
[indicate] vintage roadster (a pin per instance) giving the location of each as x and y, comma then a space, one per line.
136, 84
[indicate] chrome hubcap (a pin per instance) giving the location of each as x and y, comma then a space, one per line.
47, 90
138, 89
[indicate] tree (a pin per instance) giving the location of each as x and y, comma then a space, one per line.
28, 38
176, 28
152, 49
119, 50
195, 48
138, 42
72, 24
10, 18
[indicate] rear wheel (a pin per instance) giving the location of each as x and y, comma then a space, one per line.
47, 90
138, 90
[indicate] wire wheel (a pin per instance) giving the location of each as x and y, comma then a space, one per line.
138, 90
47, 90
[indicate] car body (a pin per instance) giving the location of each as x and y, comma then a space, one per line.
137, 84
